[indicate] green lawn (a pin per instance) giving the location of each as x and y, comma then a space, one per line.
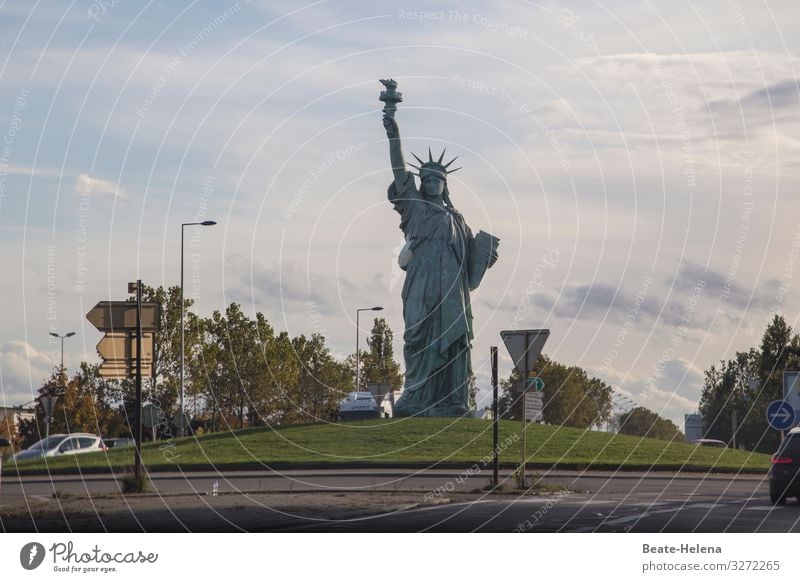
413, 441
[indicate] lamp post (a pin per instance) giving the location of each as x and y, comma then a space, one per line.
62, 338
50, 403
358, 311
181, 428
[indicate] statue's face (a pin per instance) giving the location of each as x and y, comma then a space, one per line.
433, 185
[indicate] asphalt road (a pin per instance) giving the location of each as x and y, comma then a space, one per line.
392, 500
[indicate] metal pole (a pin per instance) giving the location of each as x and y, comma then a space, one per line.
180, 422
524, 435
495, 418
138, 413
62, 354
358, 312
733, 430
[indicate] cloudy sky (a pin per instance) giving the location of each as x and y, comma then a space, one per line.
639, 161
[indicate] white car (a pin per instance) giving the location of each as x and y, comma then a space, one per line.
63, 444
359, 405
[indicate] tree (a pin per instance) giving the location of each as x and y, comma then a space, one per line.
322, 383
167, 345
473, 392
571, 397
729, 393
643, 422
377, 365
9, 430
239, 375
84, 403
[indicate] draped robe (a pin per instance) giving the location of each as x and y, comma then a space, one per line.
436, 305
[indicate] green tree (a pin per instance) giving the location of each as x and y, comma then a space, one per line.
284, 379
643, 422
571, 397
473, 392
377, 365
238, 376
322, 382
727, 392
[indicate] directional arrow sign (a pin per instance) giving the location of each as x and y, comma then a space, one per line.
524, 346
536, 383
780, 415
122, 346
121, 316
123, 369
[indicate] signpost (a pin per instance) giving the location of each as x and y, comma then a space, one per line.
780, 415
128, 346
533, 405
121, 316
524, 346
791, 390
495, 418
48, 406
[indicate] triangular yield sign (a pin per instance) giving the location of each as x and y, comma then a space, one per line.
524, 346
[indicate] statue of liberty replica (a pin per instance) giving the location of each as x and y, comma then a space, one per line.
443, 262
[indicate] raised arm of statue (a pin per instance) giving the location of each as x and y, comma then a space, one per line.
395, 150
390, 98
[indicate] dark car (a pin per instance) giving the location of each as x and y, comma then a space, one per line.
784, 475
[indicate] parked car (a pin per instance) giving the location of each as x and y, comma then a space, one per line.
63, 444
710, 443
784, 474
116, 443
358, 405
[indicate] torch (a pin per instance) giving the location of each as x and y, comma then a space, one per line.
390, 97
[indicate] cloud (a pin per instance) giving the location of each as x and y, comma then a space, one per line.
22, 370
672, 388
781, 95
85, 185
722, 286
290, 286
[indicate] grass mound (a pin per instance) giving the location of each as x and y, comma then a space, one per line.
407, 441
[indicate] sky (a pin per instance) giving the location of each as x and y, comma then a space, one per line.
638, 160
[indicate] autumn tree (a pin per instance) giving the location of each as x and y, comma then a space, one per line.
84, 404
9, 431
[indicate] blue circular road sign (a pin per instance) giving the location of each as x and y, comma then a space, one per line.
780, 415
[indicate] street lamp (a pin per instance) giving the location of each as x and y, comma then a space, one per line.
358, 311
50, 403
181, 429
62, 338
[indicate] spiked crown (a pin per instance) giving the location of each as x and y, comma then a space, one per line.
433, 167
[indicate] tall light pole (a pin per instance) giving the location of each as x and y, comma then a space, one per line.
181, 428
48, 406
358, 311
62, 338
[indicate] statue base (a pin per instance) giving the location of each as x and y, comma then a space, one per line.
402, 409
